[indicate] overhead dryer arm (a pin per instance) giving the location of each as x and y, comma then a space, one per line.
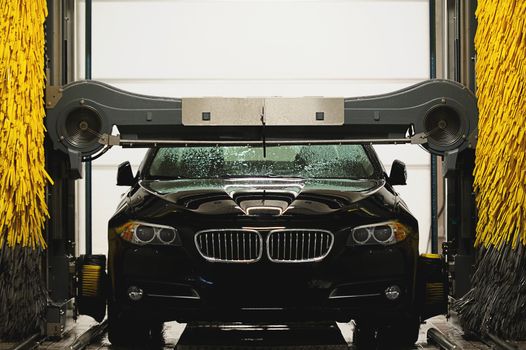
440, 114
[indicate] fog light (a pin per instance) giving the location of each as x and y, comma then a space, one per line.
392, 292
135, 293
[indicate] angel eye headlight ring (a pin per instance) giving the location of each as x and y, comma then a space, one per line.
383, 233
142, 233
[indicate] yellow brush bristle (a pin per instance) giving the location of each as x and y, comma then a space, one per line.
500, 170
23, 178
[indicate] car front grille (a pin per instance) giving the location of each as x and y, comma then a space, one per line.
298, 245
230, 245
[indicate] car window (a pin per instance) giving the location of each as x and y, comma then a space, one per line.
306, 161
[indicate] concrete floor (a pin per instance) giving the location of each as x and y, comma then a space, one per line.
183, 337
173, 332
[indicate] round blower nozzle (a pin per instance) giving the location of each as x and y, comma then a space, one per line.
82, 127
443, 126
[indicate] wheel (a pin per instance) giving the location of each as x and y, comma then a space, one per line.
364, 335
400, 334
132, 331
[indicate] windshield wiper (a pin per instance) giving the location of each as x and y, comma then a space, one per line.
284, 176
233, 176
163, 177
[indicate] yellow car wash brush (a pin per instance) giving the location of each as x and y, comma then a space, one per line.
497, 301
23, 178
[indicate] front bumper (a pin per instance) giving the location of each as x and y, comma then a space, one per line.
178, 285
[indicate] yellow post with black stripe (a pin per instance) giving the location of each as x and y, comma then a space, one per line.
432, 285
92, 284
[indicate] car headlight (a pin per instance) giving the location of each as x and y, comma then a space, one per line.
142, 233
384, 233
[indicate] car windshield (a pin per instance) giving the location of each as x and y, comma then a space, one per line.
305, 161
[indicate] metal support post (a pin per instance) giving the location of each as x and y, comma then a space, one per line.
461, 222
434, 180
87, 165
60, 230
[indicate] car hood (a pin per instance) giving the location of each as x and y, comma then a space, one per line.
262, 196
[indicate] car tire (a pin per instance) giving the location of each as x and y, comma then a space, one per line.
400, 334
364, 335
127, 331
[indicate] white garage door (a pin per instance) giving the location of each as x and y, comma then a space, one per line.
255, 48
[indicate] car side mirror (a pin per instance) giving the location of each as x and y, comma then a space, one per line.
398, 175
125, 175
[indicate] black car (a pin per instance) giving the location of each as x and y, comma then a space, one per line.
270, 234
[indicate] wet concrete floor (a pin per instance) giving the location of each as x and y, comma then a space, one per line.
244, 336
176, 336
